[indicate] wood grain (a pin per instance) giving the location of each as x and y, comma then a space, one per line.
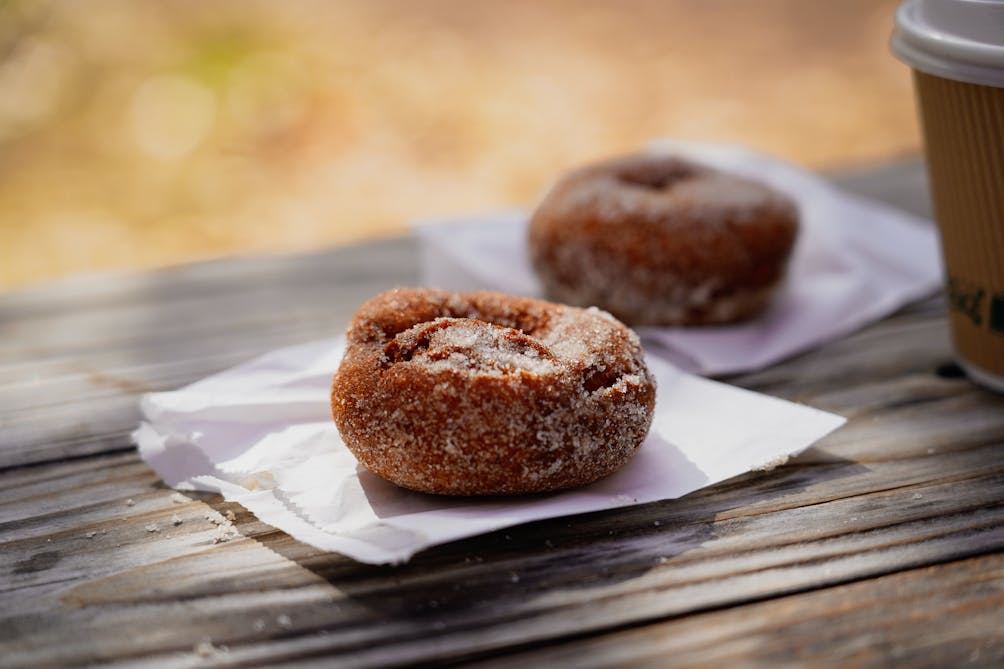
902, 619
73, 359
881, 545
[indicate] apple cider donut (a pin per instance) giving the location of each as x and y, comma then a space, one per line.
489, 394
657, 240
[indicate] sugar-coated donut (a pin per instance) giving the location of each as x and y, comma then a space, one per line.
657, 240
487, 394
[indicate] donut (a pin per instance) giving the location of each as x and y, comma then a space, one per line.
658, 240
489, 394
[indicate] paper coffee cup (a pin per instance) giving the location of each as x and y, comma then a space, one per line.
956, 49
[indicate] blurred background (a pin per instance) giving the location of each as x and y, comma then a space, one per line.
138, 134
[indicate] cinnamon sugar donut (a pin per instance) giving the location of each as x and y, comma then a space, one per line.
657, 240
486, 394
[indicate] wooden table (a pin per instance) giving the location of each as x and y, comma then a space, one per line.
880, 546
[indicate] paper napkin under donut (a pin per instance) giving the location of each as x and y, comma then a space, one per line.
855, 261
262, 435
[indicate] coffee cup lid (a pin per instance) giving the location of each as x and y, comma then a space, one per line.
955, 39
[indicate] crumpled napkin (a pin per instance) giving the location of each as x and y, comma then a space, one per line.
262, 435
856, 261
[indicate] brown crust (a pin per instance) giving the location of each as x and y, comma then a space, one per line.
657, 240
486, 394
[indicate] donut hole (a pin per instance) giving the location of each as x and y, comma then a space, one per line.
656, 176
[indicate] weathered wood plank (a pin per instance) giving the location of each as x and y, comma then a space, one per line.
800, 527
485, 614
947, 615
73, 361
231, 275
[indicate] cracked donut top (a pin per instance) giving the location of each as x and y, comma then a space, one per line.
470, 345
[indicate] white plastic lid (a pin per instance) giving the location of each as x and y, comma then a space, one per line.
955, 39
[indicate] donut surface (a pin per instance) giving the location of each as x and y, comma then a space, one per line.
487, 394
657, 240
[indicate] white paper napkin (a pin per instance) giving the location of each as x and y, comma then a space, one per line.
262, 435
856, 261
